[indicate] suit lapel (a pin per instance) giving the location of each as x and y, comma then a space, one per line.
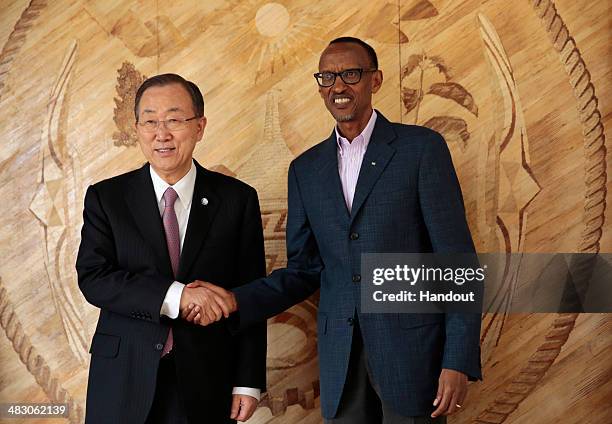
141, 201
330, 178
200, 219
376, 158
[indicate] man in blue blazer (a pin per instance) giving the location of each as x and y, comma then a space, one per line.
372, 186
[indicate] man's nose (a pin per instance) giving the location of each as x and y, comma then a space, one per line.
339, 85
162, 133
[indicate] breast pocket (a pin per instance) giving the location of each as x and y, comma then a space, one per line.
394, 197
106, 345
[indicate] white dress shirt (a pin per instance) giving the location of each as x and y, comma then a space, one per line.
184, 188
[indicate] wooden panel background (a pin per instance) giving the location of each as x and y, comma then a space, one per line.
520, 90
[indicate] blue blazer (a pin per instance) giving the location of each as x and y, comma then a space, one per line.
407, 199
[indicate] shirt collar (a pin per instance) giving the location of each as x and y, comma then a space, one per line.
364, 137
183, 187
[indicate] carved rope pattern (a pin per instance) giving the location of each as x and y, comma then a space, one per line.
593, 215
34, 362
17, 38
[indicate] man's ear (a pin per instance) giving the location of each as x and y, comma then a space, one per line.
377, 80
201, 126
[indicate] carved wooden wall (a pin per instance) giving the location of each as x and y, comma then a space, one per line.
519, 89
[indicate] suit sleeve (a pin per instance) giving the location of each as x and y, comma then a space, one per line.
266, 297
103, 283
251, 366
444, 214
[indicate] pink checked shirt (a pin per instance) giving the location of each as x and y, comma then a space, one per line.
350, 156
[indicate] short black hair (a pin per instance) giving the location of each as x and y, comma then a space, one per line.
166, 79
369, 49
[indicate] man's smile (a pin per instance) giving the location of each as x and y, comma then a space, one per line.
341, 101
165, 150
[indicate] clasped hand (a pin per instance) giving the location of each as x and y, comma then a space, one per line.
204, 303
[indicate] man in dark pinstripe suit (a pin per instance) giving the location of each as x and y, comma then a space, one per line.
148, 233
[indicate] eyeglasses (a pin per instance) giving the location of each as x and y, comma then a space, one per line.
172, 124
349, 76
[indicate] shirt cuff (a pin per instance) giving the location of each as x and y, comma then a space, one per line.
249, 391
172, 301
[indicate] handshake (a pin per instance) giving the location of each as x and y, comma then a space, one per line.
203, 303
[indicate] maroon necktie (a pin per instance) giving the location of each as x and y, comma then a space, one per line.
173, 241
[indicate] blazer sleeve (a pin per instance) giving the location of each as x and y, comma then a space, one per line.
285, 287
251, 366
442, 204
103, 283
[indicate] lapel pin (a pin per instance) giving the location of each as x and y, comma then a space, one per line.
373, 163
204, 201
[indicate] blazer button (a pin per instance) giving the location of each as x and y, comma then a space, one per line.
356, 278
350, 321
159, 346
354, 236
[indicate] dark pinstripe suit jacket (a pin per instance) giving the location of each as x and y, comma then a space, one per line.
124, 269
409, 201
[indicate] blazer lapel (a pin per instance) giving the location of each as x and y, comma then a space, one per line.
200, 219
330, 178
141, 201
376, 158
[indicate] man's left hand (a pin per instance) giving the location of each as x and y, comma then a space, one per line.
243, 407
452, 389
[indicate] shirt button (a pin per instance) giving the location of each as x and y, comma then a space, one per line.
159, 346
354, 236
350, 321
356, 278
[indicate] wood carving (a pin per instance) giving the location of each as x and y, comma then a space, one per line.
56, 206
515, 91
421, 76
128, 81
17, 37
